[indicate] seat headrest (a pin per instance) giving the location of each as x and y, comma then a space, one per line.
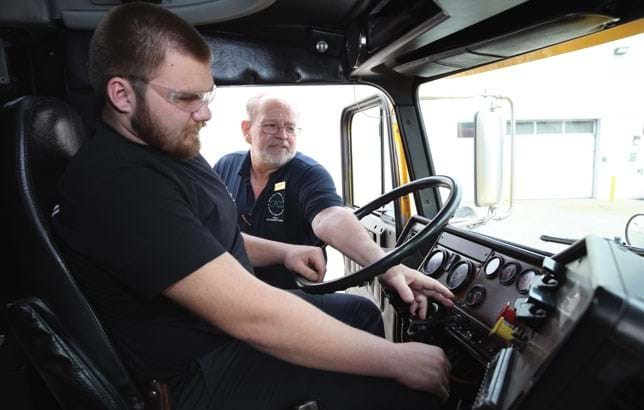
50, 132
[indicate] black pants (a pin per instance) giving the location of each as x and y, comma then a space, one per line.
236, 376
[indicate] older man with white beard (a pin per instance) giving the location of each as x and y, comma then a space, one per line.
286, 196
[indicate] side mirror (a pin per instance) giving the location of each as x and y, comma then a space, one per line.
489, 133
634, 231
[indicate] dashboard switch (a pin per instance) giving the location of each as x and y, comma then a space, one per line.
503, 329
508, 314
529, 313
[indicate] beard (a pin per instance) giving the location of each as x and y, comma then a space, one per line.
277, 160
186, 145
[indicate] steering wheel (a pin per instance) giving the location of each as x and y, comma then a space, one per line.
403, 250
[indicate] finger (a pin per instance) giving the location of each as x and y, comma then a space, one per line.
321, 276
399, 283
421, 301
440, 297
307, 272
438, 287
412, 308
426, 284
319, 264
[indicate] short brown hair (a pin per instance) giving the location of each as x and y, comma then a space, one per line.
132, 40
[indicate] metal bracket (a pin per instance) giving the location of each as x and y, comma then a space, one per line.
555, 273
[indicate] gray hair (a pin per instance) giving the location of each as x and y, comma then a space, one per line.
254, 102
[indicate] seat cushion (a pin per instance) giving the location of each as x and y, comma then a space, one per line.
69, 374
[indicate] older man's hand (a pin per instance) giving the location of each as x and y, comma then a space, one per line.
307, 261
414, 288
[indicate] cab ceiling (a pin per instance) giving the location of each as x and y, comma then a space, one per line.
312, 41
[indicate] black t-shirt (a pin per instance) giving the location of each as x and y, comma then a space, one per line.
285, 209
134, 221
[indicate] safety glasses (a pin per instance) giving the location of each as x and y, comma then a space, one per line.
273, 128
185, 101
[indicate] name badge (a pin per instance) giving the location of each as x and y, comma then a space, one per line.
279, 186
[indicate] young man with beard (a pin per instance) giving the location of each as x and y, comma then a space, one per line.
285, 196
150, 232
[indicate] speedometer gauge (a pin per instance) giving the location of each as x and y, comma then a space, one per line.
509, 273
525, 280
459, 275
435, 263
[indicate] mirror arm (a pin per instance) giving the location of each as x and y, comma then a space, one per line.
493, 210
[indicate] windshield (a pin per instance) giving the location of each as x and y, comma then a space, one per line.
578, 163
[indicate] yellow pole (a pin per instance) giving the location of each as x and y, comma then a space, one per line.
613, 183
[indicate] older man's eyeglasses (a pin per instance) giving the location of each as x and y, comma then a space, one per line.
273, 128
185, 101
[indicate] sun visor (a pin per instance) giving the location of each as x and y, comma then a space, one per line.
564, 28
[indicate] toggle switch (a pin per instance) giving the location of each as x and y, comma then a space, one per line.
508, 314
503, 329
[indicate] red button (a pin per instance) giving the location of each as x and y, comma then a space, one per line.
508, 314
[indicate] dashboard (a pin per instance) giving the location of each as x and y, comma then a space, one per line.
548, 331
487, 281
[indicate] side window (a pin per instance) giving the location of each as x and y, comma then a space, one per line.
368, 171
371, 163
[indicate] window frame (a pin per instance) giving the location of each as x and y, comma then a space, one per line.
386, 132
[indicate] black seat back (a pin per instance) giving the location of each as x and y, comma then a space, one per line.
45, 133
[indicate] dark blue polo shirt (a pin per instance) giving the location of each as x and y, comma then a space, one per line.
286, 207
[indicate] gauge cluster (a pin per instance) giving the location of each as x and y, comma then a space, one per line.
483, 279
546, 330
487, 277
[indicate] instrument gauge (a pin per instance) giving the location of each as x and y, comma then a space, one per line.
492, 266
459, 275
475, 296
509, 273
525, 280
435, 263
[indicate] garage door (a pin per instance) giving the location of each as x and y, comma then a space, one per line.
555, 160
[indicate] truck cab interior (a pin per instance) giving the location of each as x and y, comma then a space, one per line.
532, 328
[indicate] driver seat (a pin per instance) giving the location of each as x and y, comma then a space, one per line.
55, 325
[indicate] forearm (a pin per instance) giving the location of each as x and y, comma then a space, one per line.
264, 252
280, 323
295, 331
341, 229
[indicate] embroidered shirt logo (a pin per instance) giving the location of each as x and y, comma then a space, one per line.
276, 207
